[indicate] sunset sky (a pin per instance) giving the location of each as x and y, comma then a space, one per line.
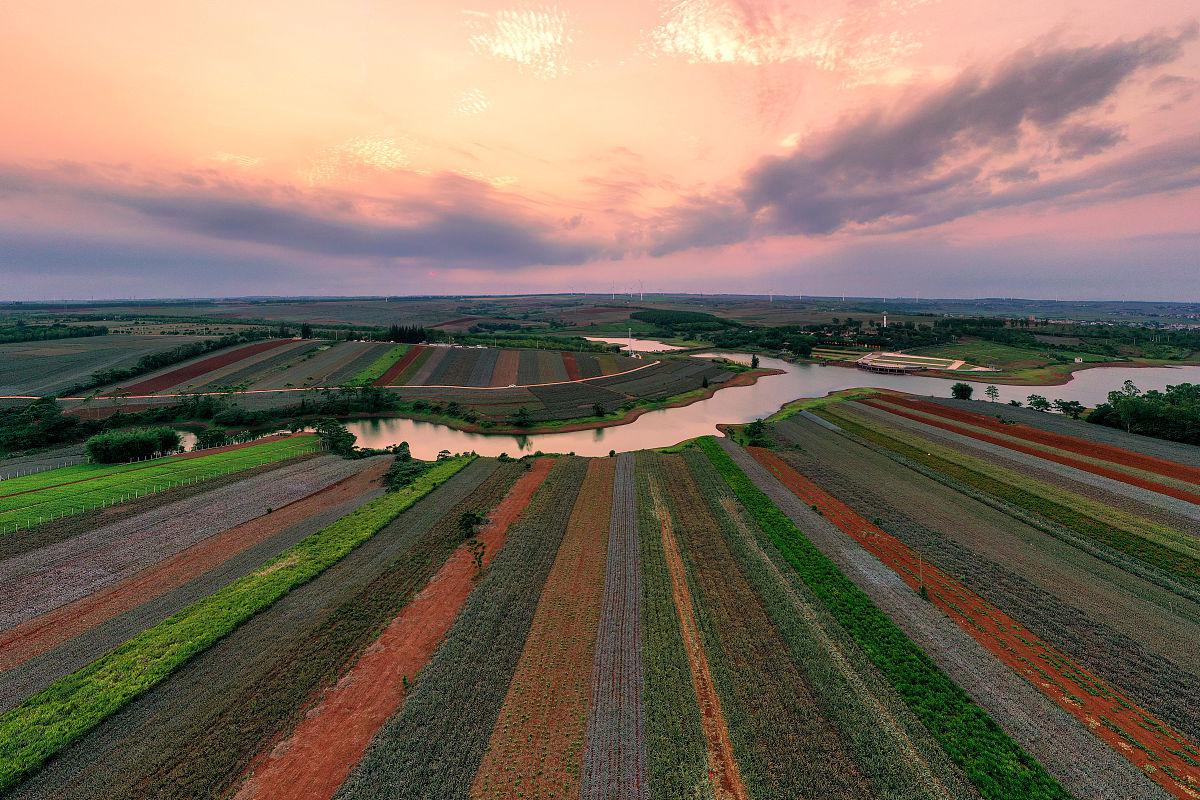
954, 148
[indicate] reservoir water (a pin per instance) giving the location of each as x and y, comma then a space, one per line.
741, 404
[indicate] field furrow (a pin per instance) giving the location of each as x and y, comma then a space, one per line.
433, 746
536, 748
614, 761
314, 760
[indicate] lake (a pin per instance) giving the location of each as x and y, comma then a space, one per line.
737, 405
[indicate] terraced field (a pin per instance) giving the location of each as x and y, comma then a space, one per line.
894, 598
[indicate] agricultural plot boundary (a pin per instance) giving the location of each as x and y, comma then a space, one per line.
52, 498
1162, 753
993, 761
60, 714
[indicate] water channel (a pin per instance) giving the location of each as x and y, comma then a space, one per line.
740, 404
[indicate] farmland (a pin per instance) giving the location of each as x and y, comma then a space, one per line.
885, 596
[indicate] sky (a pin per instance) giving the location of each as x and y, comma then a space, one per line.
941, 148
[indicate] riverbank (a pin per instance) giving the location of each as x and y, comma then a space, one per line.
748, 378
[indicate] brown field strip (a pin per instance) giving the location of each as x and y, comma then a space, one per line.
393, 372
572, 366
198, 368
316, 758
1117, 475
1166, 756
42, 634
505, 371
536, 747
1117, 455
723, 770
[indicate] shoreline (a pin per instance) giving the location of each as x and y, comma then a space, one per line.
1052, 374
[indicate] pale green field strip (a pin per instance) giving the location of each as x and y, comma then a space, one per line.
74, 490
374, 371
69, 708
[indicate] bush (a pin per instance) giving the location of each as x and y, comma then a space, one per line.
211, 437
961, 391
117, 447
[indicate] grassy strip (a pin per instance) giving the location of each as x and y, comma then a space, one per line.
774, 720
809, 403
1071, 511
375, 370
993, 761
892, 748
69, 708
86, 487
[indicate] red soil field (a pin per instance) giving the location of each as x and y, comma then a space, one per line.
318, 756
193, 370
505, 373
536, 747
46, 632
452, 322
1118, 455
723, 769
572, 366
393, 372
1162, 753
1086, 466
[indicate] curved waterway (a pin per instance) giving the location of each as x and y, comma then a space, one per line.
740, 404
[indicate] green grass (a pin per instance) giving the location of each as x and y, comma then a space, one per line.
809, 403
997, 765
67, 491
69, 708
1002, 356
374, 371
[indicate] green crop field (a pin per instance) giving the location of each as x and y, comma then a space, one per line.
63, 492
376, 368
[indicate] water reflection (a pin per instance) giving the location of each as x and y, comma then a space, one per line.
637, 345
738, 404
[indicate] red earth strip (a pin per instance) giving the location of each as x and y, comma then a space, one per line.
44, 633
1160, 752
1117, 475
572, 366
189, 371
1117, 455
314, 761
394, 370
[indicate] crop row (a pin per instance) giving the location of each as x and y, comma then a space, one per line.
313, 761
997, 766
1083, 694
1172, 484
536, 746
614, 760
676, 757
65, 711
278, 361
1155, 545
892, 749
376, 369
195, 369
1114, 623
775, 723
434, 744
36, 506
46, 578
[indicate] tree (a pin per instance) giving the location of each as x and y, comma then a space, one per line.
1037, 402
306, 331
753, 362
992, 393
1070, 408
961, 391
704, 382
335, 438
211, 437
597, 409
469, 522
521, 418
